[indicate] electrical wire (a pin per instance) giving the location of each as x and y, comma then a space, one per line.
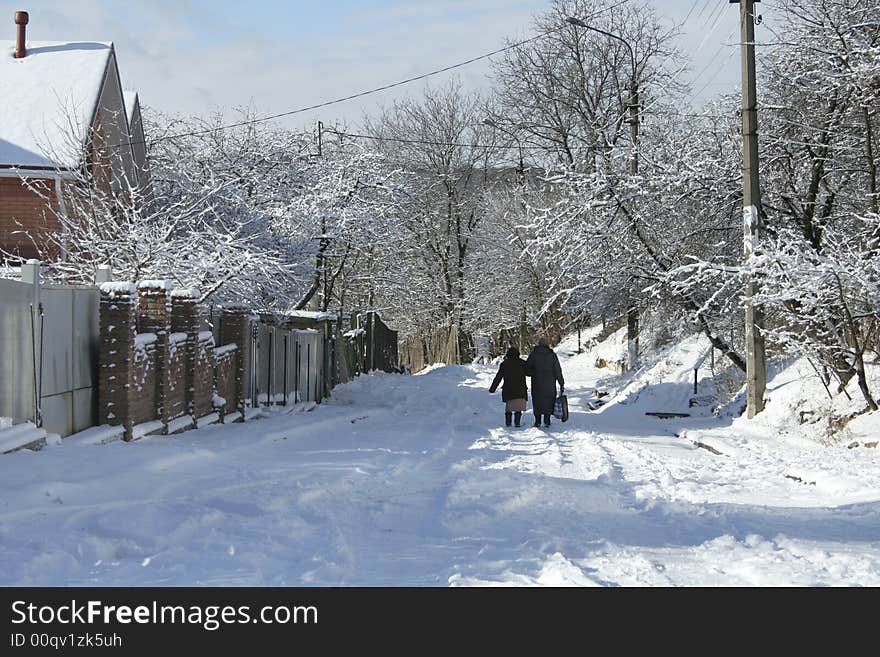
694, 6
475, 145
368, 92
675, 75
703, 8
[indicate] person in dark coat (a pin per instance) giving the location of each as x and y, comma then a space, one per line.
543, 366
514, 392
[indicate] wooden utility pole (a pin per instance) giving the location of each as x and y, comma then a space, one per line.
756, 365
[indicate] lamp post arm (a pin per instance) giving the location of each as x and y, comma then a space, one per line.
632, 54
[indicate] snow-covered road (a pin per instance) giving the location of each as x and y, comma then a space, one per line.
411, 480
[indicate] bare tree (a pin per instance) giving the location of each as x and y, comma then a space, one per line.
439, 138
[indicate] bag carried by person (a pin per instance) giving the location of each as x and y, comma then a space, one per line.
560, 408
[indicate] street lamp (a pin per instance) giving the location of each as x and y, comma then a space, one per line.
633, 92
493, 124
632, 312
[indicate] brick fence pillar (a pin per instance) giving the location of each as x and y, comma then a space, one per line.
185, 319
116, 355
234, 330
152, 317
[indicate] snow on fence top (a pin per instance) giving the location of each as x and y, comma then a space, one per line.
187, 293
141, 340
55, 90
353, 333
154, 285
176, 338
205, 336
116, 287
225, 349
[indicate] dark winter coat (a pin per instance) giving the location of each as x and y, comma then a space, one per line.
543, 366
513, 372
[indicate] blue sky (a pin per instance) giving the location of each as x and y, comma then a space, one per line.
198, 56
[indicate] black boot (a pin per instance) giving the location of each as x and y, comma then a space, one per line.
537, 420
517, 417
507, 416
546, 420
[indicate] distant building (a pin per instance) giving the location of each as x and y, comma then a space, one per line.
62, 112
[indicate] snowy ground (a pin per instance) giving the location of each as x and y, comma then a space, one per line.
410, 480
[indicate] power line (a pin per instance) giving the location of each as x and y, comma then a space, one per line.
368, 92
703, 8
677, 73
715, 57
475, 145
714, 15
715, 75
385, 87
694, 6
426, 142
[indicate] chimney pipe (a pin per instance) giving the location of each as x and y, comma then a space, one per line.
21, 20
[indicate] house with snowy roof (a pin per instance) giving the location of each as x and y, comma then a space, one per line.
63, 113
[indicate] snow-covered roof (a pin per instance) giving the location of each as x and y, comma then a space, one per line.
49, 96
131, 100
310, 314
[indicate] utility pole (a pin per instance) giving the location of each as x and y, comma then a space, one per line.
756, 365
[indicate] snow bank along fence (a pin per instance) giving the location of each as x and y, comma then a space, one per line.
48, 356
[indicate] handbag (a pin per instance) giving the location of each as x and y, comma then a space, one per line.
560, 408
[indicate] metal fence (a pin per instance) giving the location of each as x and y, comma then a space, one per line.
19, 350
48, 353
284, 365
289, 358
50, 337
69, 376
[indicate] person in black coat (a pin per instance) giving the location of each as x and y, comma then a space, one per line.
514, 392
543, 366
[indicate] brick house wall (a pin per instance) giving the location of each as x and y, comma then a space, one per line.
22, 210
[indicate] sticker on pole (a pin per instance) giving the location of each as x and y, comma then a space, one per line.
750, 229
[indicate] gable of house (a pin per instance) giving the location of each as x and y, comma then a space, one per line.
138, 140
63, 109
